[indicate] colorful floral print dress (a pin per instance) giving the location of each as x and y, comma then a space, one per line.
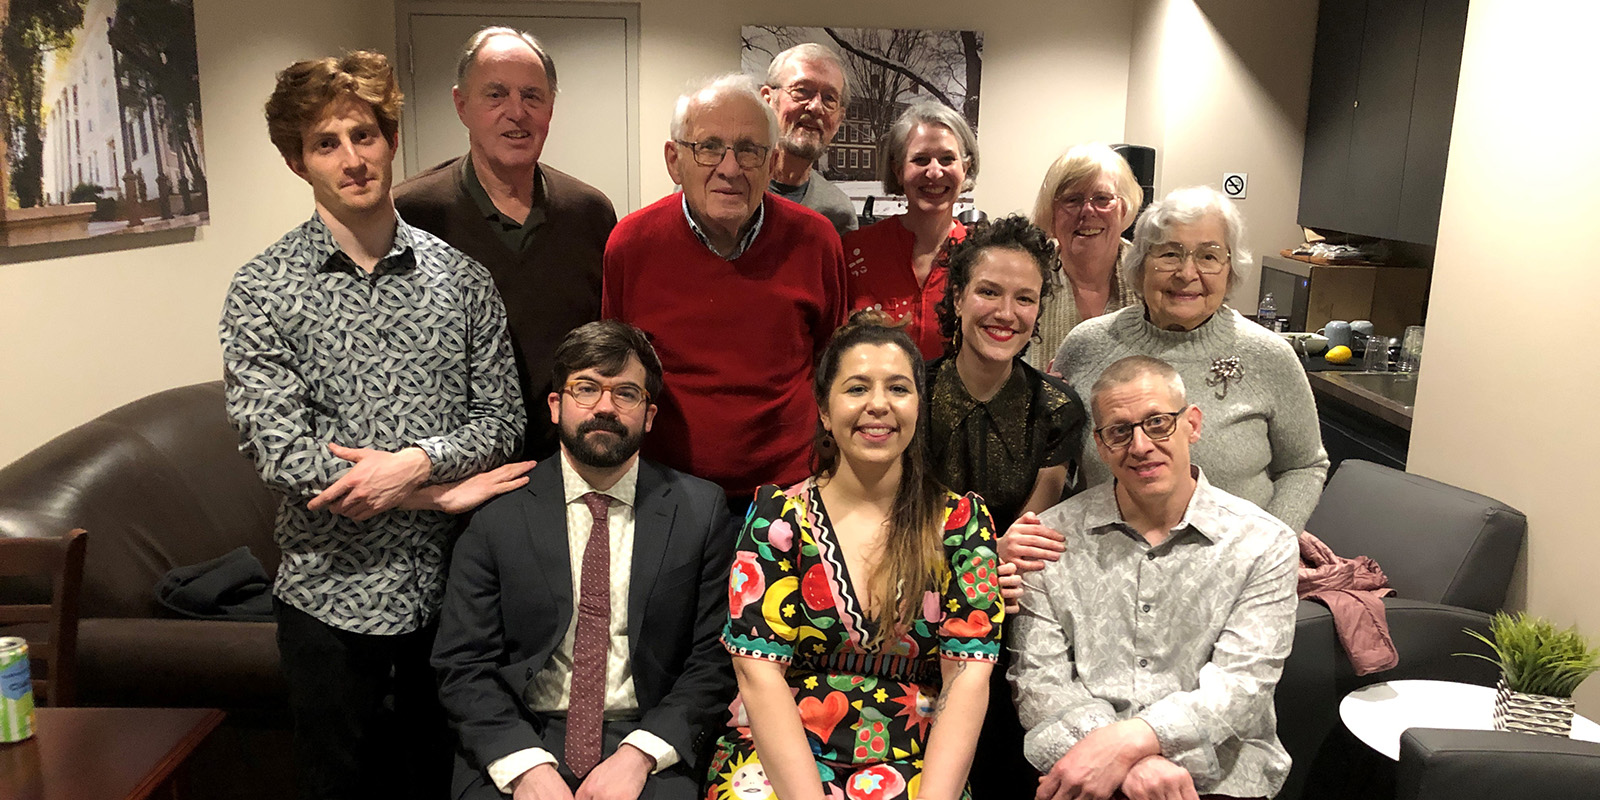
866, 713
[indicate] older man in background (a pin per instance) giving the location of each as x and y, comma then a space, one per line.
540, 231
741, 290
807, 88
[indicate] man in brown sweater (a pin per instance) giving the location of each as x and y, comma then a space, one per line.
540, 231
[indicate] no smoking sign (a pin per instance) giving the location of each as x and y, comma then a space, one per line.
1234, 184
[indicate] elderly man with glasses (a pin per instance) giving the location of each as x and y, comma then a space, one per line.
1147, 654
807, 88
741, 290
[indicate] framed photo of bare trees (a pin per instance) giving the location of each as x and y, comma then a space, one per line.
889, 69
101, 105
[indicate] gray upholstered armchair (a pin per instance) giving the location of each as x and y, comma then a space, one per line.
1489, 765
1448, 553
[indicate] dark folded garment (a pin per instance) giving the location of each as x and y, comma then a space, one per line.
233, 586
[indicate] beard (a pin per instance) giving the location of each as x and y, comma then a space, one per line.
607, 452
803, 143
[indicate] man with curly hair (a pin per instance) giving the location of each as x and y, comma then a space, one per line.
369, 374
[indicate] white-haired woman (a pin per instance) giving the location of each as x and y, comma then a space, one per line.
1261, 439
1088, 198
930, 155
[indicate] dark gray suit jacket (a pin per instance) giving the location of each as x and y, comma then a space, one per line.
509, 601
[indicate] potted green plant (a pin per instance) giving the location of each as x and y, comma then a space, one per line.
1540, 667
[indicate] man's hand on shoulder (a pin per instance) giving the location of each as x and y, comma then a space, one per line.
1096, 766
540, 783
376, 482
619, 777
1156, 778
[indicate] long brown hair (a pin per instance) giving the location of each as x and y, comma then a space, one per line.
913, 560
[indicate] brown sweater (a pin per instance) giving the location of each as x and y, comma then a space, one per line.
549, 288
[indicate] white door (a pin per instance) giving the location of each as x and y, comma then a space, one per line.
593, 135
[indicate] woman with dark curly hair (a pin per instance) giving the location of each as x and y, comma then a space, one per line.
1000, 428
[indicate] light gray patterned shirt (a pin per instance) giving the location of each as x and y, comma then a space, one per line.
315, 350
1189, 636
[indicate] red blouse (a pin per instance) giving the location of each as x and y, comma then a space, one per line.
877, 262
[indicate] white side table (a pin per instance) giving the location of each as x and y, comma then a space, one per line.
1380, 713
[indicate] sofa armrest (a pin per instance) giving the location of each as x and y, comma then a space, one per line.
1463, 765
180, 663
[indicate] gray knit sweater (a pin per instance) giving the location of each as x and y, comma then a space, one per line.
1259, 437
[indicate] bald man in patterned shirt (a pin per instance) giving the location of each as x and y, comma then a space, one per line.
370, 376
1147, 655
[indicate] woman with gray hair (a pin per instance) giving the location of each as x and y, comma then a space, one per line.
930, 155
1261, 441
1088, 198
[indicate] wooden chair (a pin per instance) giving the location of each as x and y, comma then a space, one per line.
50, 629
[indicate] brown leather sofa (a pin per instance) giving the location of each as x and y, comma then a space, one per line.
159, 483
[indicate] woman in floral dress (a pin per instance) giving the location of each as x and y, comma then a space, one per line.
864, 613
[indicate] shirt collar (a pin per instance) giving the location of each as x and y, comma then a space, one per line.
1007, 410
745, 241
574, 487
486, 206
1101, 514
329, 257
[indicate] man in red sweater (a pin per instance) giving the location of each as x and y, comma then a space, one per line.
740, 290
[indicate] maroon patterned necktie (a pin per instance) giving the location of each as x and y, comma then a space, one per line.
587, 699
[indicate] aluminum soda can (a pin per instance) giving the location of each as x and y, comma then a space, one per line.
16, 690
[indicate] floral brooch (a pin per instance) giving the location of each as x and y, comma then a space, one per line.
1225, 371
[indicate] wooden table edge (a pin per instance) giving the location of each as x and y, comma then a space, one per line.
180, 752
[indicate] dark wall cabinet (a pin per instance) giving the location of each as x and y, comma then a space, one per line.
1383, 93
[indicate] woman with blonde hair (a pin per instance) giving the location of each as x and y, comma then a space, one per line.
1088, 198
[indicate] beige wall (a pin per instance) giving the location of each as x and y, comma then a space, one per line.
1221, 86
84, 333
1506, 397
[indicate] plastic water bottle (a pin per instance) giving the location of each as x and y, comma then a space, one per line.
1267, 312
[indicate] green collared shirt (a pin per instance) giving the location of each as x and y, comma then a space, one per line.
515, 234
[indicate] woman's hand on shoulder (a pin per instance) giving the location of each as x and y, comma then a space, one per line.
1029, 543
1025, 547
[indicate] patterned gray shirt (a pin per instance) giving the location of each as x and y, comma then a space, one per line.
315, 350
1189, 636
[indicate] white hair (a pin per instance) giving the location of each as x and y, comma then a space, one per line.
730, 85
1184, 206
816, 54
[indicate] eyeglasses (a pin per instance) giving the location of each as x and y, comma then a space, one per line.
1209, 259
1157, 428
1072, 203
804, 94
625, 396
709, 153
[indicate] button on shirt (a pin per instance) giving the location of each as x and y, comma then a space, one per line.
316, 350
1189, 636
549, 690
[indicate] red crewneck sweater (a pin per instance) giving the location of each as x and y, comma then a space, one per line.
738, 340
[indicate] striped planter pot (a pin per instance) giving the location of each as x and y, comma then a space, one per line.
1531, 713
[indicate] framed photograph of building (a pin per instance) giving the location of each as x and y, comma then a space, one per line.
888, 69
101, 105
